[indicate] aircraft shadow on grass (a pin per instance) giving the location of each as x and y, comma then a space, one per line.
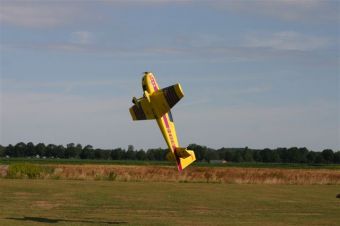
54, 220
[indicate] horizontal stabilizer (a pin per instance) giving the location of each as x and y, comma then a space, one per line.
184, 157
187, 161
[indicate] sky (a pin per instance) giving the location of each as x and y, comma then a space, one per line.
262, 74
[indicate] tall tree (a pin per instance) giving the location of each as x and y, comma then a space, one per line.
87, 152
78, 150
71, 151
237, 156
337, 157
257, 156
311, 156
131, 148
40, 149
130, 154
117, 154
319, 158
328, 155
60, 151
51, 150
30, 149
20, 149
2, 151
141, 155
247, 155
228, 156
10, 151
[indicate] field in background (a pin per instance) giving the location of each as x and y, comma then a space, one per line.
86, 202
160, 173
7, 161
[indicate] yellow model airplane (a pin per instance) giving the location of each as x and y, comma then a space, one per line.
156, 104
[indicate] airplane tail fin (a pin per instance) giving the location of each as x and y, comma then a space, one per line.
184, 158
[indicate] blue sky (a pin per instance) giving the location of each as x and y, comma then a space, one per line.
255, 73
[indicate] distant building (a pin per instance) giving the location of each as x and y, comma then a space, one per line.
218, 161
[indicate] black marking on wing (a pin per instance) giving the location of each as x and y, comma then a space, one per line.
171, 96
140, 115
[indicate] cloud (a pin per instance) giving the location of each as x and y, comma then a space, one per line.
85, 46
60, 86
310, 53
42, 14
145, 2
288, 10
37, 14
286, 40
82, 37
45, 14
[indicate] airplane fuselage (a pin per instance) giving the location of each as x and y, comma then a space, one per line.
165, 122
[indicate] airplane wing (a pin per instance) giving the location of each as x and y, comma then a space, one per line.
142, 110
157, 104
172, 94
164, 99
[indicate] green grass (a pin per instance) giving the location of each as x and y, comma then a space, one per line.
8, 161
28, 170
69, 202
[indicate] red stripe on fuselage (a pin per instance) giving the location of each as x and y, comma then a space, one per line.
168, 129
165, 119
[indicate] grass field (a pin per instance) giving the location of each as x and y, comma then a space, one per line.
87, 202
159, 173
8, 161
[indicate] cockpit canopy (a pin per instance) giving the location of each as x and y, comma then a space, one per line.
144, 83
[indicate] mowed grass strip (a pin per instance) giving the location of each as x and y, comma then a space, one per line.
74, 202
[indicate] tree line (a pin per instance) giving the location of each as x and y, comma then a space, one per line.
203, 153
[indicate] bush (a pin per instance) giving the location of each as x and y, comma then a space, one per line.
112, 176
31, 171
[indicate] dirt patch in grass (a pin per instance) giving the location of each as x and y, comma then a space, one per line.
45, 205
3, 170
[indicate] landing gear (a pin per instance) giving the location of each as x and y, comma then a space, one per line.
134, 100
